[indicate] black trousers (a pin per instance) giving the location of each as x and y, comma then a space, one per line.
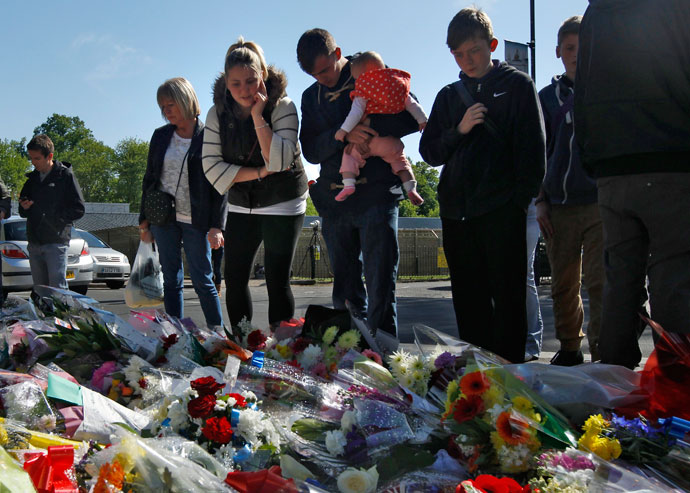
488, 273
243, 236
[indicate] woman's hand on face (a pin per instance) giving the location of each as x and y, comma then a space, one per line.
260, 100
215, 238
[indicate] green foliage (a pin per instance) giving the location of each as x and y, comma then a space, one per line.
13, 165
427, 183
92, 162
129, 166
66, 132
311, 209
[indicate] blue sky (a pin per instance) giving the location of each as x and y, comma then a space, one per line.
103, 61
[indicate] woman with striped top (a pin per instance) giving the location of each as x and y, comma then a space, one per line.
251, 152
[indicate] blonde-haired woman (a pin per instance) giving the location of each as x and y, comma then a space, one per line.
174, 166
251, 152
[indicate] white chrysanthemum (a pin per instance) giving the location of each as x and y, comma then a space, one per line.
245, 326
348, 420
417, 364
133, 371
329, 335
400, 357
250, 425
309, 357
335, 442
231, 402
514, 457
408, 381
177, 413
220, 405
495, 410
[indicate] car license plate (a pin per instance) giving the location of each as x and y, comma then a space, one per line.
70, 274
110, 270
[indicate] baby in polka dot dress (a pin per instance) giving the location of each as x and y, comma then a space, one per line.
378, 90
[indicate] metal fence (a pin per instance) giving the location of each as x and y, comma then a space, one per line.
420, 252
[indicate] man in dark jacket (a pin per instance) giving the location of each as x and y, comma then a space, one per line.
51, 201
568, 213
493, 150
362, 233
5, 212
632, 124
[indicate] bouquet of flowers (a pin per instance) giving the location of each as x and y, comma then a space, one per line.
496, 422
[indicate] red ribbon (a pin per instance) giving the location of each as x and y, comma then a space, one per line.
263, 481
52, 472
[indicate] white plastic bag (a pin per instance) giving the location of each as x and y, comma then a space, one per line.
145, 285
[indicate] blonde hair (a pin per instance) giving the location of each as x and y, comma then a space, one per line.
246, 54
180, 91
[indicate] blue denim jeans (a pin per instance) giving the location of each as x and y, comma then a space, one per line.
365, 242
535, 326
170, 239
48, 264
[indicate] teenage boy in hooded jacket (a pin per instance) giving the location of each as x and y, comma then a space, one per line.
492, 170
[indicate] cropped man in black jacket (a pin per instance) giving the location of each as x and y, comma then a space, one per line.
5, 212
51, 201
494, 156
632, 124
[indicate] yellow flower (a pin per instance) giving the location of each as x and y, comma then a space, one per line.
284, 351
496, 440
4, 437
349, 339
522, 405
615, 448
595, 424
493, 396
329, 335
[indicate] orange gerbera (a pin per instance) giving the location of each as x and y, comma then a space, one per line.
512, 428
110, 475
475, 383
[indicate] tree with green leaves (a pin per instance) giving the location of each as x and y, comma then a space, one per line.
14, 164
427, 183
66, 132
129, 166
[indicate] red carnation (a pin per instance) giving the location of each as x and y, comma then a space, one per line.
206, 386
256, 340
467, 408
217, 430
299, 345
241, 401
492, 484
201, 407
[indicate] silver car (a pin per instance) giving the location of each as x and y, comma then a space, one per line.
16, 271
109, 265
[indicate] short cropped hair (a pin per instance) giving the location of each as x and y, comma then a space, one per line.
362, 59
468, 24
41, 143
311, 45
180, 91
246, 54
569, 26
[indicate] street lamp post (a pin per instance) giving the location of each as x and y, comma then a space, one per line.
532, 44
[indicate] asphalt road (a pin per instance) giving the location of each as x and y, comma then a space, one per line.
426, 303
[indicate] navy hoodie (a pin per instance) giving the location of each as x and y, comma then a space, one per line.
566, 182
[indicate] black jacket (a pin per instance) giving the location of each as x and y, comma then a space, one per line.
566, 181
632, 98
321, 118
58, 202
481, 174
209, 208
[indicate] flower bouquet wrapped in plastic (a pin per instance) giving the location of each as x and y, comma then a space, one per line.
497, 423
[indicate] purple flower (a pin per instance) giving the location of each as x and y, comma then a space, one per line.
444, 359
356, 448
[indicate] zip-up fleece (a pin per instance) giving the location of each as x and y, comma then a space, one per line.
58, 202
481, 172
566, 182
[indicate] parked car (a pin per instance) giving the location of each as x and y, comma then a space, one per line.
16, 271
109, 265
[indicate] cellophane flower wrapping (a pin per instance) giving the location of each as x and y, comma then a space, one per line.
497, 423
